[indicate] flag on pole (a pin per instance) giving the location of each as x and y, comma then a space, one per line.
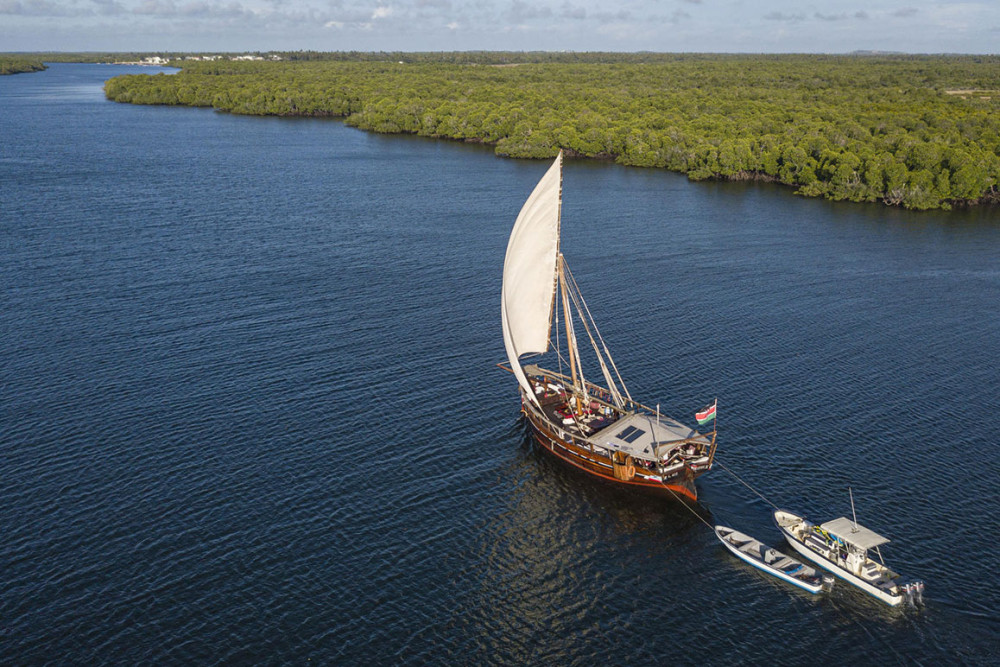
707, 413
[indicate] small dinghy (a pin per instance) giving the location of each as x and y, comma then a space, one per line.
772, 561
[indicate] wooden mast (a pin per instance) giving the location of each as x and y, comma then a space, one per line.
579, 388
570, 338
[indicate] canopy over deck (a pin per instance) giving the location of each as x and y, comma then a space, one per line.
643, 437
853, 534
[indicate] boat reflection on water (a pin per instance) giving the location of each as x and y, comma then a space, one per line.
542, 558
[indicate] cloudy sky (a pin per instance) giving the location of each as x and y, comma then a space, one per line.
751, 26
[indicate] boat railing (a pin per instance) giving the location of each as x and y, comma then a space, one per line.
598, 394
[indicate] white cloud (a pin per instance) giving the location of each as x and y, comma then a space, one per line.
569, 11
41, 8
780, 16
582, 25
521, 12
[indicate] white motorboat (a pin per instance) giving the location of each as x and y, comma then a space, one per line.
772, 561
842, 547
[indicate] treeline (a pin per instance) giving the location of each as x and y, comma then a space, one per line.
19, 64
38, 59
916, 131
104, 56
500, 57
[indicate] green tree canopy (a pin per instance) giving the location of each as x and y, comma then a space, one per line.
915, 131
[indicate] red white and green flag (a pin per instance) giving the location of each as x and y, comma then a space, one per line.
707, 413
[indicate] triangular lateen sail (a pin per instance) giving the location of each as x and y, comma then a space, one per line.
529, 274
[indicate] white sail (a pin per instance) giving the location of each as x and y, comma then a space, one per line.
529, 273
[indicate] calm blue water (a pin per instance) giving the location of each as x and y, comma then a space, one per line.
250, 411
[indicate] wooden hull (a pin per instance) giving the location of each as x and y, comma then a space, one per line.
678, 486
805, 578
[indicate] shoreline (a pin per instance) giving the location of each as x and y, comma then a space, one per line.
808, 125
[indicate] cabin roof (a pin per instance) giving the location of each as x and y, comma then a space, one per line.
641, 434
853, 533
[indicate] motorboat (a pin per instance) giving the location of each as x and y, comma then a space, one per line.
845, 548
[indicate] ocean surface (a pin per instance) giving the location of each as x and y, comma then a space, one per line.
250, 413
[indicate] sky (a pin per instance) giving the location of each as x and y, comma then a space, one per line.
741, 26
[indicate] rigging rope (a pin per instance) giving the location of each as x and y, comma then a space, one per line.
699, 516
690, 509
576, 289
740, 480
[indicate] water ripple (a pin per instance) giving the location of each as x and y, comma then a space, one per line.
250, 410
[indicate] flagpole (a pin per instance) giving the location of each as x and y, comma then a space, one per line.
715, 434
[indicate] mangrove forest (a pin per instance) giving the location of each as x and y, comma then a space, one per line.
10, 64
921, 132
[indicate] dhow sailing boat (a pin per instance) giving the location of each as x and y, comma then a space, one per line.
598, 429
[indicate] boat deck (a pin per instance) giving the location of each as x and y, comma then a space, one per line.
641, 435
765, 554
597, 416
770, 559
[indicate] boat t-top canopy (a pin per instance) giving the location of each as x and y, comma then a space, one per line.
854, 534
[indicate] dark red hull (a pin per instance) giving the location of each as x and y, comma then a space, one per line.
678, 486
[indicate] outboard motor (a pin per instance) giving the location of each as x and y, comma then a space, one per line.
828, 582
914, 592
